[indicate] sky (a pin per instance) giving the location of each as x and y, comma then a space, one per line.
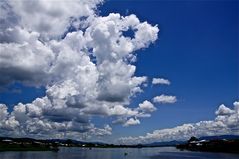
100, 70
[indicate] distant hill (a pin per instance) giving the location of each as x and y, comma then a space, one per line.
61, 141
64, 141
228, 137
212, 144
174, 142
73, 141
80, 143
18, 139
169, 143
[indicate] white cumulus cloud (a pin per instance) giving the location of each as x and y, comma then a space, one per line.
82, 59
160, 81
165, 99
147, 106
131, 121
224, 123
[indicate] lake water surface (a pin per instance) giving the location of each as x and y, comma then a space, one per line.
117, 153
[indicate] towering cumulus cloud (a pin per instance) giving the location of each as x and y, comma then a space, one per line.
82, 59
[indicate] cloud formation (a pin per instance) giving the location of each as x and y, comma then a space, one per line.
163, 99
86, 64
160, 81
147, 106
131, 121
225, 122
82, 59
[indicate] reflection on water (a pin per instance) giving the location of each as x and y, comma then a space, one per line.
117, 153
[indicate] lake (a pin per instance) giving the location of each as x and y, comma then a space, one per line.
117, 153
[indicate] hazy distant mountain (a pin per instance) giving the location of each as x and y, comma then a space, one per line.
169, 143
63, 141
228, 137
174, 143
154, 144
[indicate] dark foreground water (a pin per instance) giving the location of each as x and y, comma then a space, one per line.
117, 153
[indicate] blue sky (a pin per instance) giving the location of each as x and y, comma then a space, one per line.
196, 50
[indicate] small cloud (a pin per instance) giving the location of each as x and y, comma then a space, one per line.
160, 81
131, 122
164, 99
147, 106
